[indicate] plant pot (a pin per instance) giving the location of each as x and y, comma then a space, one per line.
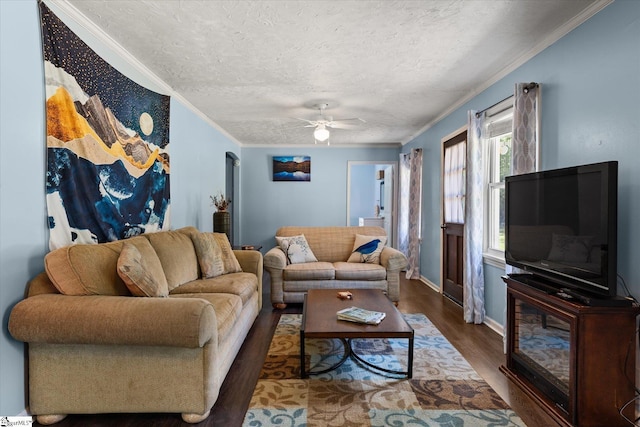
222, 223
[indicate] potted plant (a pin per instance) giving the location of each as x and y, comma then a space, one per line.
220, 202
222, 217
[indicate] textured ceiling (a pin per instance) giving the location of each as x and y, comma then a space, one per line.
252, 67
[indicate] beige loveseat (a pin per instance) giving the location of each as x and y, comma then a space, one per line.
95, 348
332, 247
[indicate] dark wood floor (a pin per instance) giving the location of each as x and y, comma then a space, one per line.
481, 346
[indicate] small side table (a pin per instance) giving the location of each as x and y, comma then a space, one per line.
248, 247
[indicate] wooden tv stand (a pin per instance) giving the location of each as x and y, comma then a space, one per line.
595, 370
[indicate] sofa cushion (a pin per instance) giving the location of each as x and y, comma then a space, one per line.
367, 249
310, 271
359, 271
242, 284
209, 254
140, 269
227, 308
177, 256
86, 269
296, 249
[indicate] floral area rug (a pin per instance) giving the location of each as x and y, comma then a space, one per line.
445, 391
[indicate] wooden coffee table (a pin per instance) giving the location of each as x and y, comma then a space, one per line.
319, 320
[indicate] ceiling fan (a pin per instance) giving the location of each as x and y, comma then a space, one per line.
322, 123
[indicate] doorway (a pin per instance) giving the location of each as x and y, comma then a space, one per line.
232, 192
372, 195
453, 202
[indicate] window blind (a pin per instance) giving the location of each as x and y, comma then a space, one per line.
498, 118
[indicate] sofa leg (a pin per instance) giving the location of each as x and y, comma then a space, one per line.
195, 418
279, 305
46, 420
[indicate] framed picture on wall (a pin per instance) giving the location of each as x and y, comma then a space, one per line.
292, 168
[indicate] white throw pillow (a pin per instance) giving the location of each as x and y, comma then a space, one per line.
296, 249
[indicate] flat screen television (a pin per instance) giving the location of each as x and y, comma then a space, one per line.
561, 226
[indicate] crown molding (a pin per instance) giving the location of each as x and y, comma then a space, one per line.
322, 145
553, 37
73, 13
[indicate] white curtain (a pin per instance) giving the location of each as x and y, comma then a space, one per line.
454, 171
473, 277
410, 208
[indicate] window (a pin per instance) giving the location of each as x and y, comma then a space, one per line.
497, 155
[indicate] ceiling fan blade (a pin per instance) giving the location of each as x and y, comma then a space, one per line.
342, 126
346, 123
356, 119
327, 121
311, 122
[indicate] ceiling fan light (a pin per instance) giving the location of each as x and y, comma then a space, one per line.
321, 133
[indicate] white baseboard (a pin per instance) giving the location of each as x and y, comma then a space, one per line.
492, 324
430, 284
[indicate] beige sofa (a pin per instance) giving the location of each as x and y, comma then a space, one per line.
332, 247
98, 349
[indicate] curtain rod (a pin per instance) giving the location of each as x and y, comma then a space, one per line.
478, 113
525, 89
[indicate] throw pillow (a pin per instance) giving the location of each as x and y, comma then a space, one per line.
296, 249
231, 264
141, 270
367, 249
570, 248
209, 254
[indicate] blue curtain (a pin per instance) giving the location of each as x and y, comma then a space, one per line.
525, 143
526, 131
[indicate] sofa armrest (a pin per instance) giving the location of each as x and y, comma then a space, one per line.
109, 320
392, 259
275, 259
275, 262
252, 262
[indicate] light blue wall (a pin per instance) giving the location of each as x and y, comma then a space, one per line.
268, 205
590, 113
22, 194
197, 169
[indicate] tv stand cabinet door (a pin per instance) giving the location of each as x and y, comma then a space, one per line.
605, 364
602, 360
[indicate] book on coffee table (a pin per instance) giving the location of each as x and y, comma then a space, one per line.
360, 315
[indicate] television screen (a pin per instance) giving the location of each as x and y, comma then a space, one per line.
562, 225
